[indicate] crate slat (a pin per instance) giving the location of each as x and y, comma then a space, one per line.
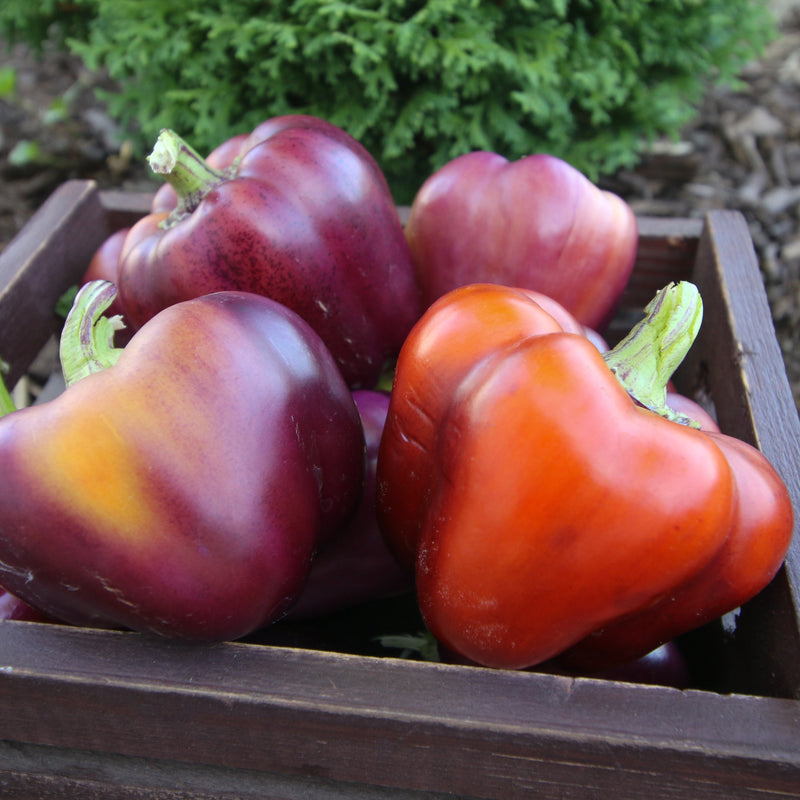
351, 719
40, 263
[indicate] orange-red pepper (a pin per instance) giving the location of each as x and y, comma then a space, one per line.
542, 506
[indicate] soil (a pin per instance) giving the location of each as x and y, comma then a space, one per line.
741, 151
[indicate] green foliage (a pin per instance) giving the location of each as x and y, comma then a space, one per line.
8, 82
35, 24
418, 83
24, 153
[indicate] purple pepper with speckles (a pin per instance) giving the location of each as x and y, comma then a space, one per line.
298, 211
184, 489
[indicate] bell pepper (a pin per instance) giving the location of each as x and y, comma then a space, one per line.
180, 485
547, 497
536, 223
356, 566
297, 211
440, 349
754, 549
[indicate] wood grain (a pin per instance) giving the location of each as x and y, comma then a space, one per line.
739, 357
48, 255
388, 722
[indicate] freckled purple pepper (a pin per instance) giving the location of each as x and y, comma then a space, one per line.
299, 212
182, 485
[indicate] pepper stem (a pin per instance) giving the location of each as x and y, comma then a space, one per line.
646, 358
7, 404
185, 170
87, 339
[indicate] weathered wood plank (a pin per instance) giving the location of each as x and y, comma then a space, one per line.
346, 718
47, 256
738, 357
47, 773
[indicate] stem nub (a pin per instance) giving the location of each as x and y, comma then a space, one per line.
645, 360
87, 339
185, 170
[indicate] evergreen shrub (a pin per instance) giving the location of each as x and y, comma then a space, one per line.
418, 83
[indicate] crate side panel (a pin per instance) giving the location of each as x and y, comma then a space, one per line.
49, 773
737, 360
665, 253
466, 730
40, 264
124, 209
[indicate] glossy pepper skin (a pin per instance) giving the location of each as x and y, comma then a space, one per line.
736, 574
536, 223
540, 505
184, 489
356, 566
440, 350
297, 211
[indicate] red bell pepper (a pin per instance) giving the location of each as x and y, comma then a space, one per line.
756, 543
297, 211
439, 351
536, 223
183, 484
544, 504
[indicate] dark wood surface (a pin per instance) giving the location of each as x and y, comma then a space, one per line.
90, 713
738, 358
400, 724
47, 256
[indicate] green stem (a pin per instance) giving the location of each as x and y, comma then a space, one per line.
646, 358
7, 405
87, 339
422, 644
185, 170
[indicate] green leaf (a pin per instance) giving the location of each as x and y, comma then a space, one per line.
64, 303
56, 112
8, 81
25, 153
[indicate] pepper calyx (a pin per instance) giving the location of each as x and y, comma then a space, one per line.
87, 339
185, 170
645, 360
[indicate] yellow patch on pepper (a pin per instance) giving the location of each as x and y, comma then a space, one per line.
89, 462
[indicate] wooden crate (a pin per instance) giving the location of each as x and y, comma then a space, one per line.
307, 713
